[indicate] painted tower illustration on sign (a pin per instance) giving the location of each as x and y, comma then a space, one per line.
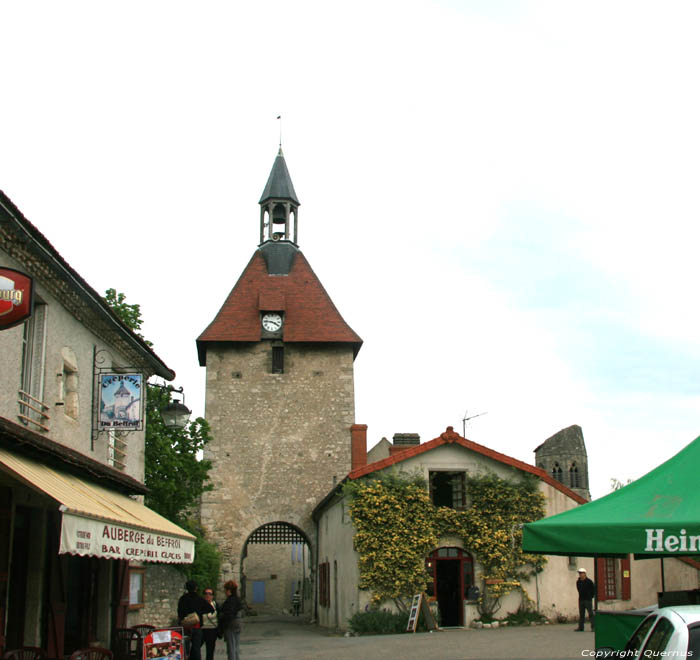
280, 401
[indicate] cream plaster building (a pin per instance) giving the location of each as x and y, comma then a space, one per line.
625, 584
73, 529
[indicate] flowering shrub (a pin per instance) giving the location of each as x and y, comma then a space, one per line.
397, 526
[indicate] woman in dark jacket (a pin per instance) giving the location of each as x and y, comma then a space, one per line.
230, 620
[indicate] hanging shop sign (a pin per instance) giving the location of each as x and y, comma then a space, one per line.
16, 297
120, 401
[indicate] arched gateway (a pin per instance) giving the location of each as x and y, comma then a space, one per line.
279, 396
286, 551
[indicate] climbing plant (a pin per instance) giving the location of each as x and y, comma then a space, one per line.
397, 526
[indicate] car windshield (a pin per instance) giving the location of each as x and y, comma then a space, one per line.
635, 642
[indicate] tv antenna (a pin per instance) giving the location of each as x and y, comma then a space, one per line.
465, 419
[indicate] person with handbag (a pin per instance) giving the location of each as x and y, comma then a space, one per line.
190, 609
230, 621
210, 624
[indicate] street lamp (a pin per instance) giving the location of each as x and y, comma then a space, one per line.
176, 414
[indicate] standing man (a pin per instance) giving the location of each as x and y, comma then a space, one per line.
586, 591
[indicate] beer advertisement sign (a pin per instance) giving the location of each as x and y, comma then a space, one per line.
16, 297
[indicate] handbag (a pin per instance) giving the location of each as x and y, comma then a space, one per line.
190, 620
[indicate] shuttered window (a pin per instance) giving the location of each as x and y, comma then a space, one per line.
278, 359
615, 579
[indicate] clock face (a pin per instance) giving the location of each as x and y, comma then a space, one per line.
272, 322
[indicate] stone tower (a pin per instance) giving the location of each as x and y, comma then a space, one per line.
564, 457
279, 392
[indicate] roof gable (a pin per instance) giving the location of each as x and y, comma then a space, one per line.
450, 437
310, 315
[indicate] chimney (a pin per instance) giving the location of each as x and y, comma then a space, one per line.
358, 446
403, 441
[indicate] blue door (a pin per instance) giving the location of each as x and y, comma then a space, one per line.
258, 591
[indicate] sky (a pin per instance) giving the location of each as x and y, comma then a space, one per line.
501, 198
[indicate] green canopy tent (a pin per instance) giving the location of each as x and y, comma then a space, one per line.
656, 516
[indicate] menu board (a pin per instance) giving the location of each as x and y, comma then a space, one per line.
167, 644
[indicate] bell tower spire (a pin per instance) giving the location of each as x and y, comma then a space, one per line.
279, 206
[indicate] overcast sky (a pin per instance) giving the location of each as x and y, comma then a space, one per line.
501, 198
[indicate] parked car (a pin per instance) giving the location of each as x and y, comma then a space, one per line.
668, 632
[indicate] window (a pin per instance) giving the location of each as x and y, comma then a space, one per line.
635, 642
659, 638
68, 385
614, 579
448, 489
610, 576
116, 450
32, 409
278, 359
556, 471
136, 579
693, 641
574, 480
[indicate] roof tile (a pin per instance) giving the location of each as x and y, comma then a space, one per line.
310, 315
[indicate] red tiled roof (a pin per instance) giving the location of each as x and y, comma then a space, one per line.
309, 313
450, 437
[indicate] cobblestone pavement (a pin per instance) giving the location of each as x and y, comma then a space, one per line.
288, 638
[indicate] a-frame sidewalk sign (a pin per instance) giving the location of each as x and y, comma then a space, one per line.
420, 606
164, 644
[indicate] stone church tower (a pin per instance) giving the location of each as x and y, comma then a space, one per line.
279, 393
564, 457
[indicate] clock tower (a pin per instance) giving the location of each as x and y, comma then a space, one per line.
280, 401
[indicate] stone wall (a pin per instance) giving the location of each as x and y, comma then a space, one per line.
280, 441
281, 569
566, 451
163, 586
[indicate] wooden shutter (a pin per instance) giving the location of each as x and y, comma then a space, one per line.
56, 590
626, 578
5, 536
121, 593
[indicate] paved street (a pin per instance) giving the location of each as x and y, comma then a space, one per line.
286, 638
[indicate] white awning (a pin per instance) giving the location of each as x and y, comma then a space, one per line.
99, 522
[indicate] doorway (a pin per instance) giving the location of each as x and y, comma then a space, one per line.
275, 562
447, 589
19, 570
450, 575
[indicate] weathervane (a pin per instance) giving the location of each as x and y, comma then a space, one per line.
280, 118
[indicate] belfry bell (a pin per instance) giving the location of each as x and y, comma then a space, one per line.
279, 215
